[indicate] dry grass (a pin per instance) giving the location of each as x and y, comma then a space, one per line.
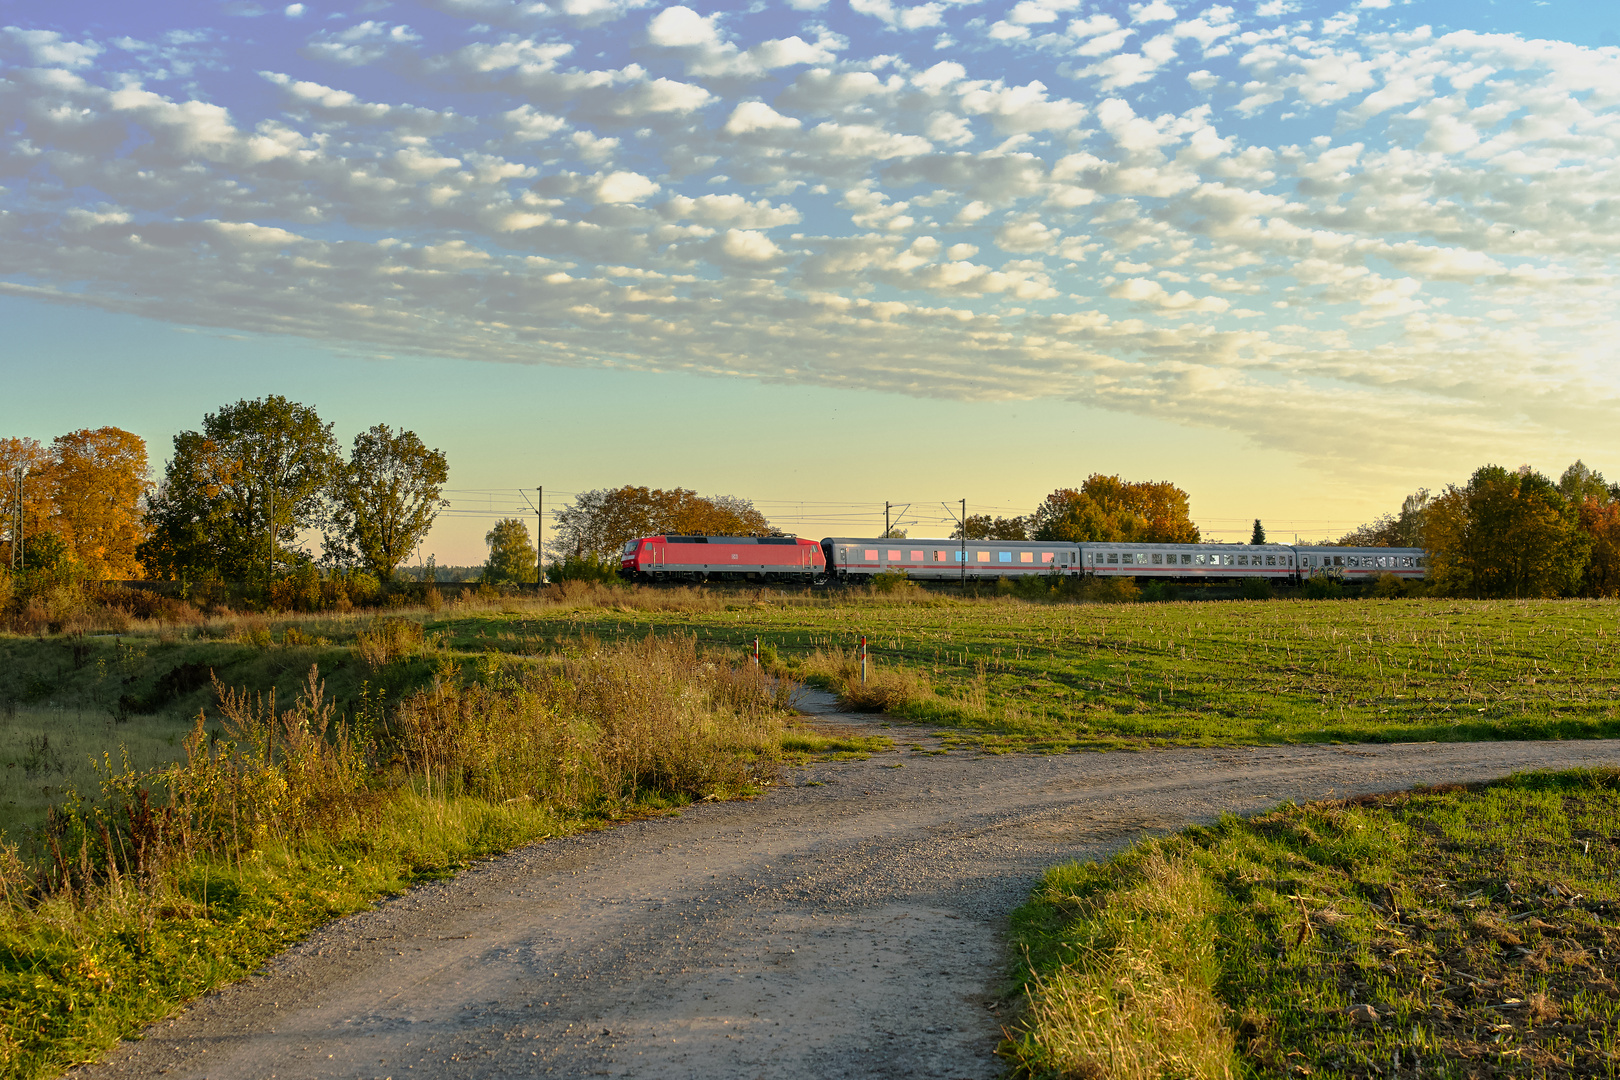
1134, 999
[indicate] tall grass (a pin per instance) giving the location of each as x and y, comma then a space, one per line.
1129, 993
178, 877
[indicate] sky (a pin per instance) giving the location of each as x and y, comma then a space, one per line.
1299, 258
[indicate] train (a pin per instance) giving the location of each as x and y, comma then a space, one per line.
842, 560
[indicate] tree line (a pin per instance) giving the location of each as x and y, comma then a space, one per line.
1511, 533
236, 502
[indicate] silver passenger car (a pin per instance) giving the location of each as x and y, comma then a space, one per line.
1361, 563
1190, 562
856, 559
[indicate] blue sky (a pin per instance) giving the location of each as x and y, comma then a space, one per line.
1299, 258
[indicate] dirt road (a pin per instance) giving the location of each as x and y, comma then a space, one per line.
847, 924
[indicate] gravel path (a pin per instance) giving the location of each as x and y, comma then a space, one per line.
847, 924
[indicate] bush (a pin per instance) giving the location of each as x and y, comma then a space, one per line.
590, 569
1387, 587
1324, 588
1110, 590
1160, 592
891, 582
1256, 589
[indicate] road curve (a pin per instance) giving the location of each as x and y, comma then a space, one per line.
847, 924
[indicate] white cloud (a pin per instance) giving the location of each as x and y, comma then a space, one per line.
918, 17
48, 48
624, 187
751, 116
746, 245
679, 26
1157, 11
293, 11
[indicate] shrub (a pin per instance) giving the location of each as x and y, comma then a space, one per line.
1160, 591
1324, 588
590, 568
892, 582
1256, 589
1110, 590
1388, 586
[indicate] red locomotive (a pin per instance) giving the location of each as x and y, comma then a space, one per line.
723, 558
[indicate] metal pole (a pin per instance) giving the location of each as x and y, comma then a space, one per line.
270, 573
863, 658
964, 545
885, 521
539, 536
756, 652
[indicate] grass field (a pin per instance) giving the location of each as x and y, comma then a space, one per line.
1056, 676
1448, 933
45, 753
1007, 673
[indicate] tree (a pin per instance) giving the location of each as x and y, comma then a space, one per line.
386, 499
599, 523
512, 557
34, 460
1579, 483
1391, 530
1258, 536
96, 481
1600, 521
984, 527
257, 469
1109, 508
1505, 534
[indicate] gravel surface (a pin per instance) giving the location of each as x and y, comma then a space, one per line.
847, 924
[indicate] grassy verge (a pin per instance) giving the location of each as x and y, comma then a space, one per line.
1445, 933
175, 878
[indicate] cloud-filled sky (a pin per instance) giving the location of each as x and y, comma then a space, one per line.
1373, 241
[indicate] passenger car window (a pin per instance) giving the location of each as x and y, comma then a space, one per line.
871, 556
984, 556
1026, 556
1006, 556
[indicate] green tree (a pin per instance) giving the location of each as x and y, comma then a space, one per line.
1505, 534
1392, 530
984, 527
1109, 508
257, 469
386, 499
512, 558
1258, 536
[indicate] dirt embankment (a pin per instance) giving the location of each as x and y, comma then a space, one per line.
845, 925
